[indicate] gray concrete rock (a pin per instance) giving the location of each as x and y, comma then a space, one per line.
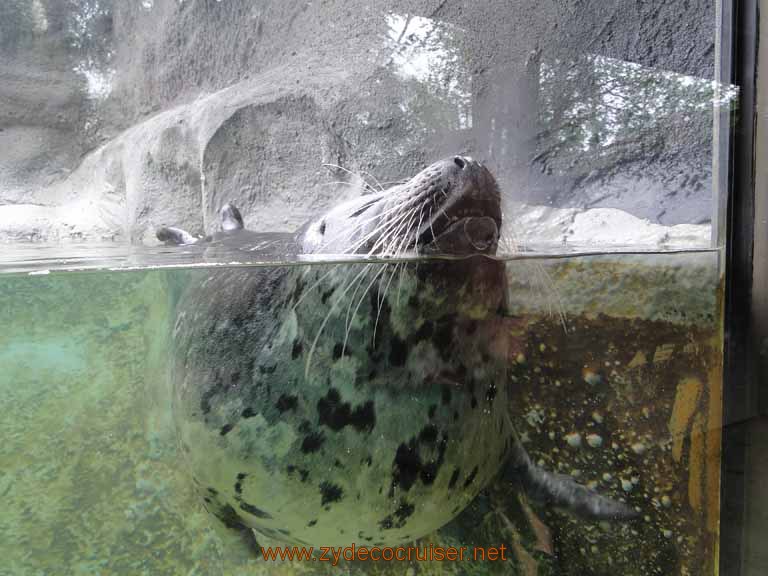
118, 117
261, 143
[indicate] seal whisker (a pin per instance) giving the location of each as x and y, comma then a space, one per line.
382, 298
314, 285
509, 240
441, 209
392, 238
403, 244
359, 303
338, 183
347, 321
549, 287
399, 247
418, 229
375, 180
537, 281
400, 284
395, 182
392, 232
346, 234
326, 318
431, 229
386, 231
412, 213
386, 223
349, 233
348, 171
382, 229
511, 244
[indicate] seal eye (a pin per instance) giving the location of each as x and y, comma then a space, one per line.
459, 161
322, 227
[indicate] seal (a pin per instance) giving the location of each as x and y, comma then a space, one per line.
231, 226
363, 402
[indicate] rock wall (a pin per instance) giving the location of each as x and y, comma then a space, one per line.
119, 117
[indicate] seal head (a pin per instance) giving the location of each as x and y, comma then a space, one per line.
451, 207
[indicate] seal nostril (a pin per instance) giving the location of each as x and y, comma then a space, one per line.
459, 161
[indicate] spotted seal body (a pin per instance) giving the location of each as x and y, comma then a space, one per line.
331, 404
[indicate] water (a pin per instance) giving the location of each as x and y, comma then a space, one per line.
613, 362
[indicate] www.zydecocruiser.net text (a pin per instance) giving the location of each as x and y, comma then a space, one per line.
431, 553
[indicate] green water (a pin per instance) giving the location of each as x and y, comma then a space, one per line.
91, 481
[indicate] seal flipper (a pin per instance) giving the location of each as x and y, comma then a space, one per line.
230, 528
561, 490
231, 219
171, 236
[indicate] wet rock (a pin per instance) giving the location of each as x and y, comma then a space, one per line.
592, 378
573, 439
639, 448
594, 440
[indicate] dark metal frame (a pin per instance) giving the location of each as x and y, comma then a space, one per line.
742, 383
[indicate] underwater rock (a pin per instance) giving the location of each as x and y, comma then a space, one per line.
594, 440
573, 439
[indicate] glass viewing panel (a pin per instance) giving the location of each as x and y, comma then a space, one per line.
427, 287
